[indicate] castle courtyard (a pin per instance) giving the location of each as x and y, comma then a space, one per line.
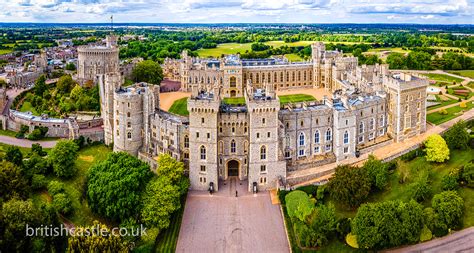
223, 222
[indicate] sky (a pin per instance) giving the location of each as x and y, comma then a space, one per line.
239, 11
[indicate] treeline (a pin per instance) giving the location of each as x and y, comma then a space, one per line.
426, 59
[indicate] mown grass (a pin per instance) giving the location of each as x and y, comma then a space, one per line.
295, 98
234, 101
442, 103
7, 133
293, 57
25, 151
225, 48
453, 112
27, 107
467, 73
180, 107
168, 240
443, 77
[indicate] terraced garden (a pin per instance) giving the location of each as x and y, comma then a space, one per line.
444, 115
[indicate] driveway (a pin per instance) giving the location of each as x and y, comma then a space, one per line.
225, 223
25, 143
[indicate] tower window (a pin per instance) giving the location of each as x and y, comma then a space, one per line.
203, 153
232, 146
129, 135
263, 153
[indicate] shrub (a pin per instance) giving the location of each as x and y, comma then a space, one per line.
38, 181
377, 172
299, 205
411, 155
321, 192
463, 105
425, 234
309, 189
443, 112
448, 206
457, 136
343, 227
467, 174
450, 182
62, 203
436, 149
349, 185
420, 189
351, 240
55, 187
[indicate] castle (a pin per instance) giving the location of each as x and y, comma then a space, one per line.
260, 140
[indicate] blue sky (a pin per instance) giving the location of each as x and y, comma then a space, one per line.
240, 11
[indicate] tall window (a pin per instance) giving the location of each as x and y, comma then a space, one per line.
263, 153
301, 139
372, 124
186, 141
232, 146
346, 137
203, 153
361, 127
233, 82
382, 121
316, 137
328, 135
129, 135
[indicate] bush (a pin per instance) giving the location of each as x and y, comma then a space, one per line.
421, 189
436, 149
55, 187
448, 206
425, 234
321, 192
467, 174
411, 155
351, 240
38, 149
62, 203
309, 189
377, 172
299, 205
450, 182
343, 228
38, 181
349, 185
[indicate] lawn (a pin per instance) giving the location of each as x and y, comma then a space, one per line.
180, 107
443, 77
442, 103
25, 151
471, 85
225, 48
293, 57
453, 112
7, 133
27, 107
6, 50
295, 98
465, 95
466, 73
234, 101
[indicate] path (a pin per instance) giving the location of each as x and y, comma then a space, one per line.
461, 241
24, 142
224, 223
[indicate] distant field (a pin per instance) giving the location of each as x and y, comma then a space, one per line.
466, 73
279, 43
295, 98
225, 48
6, 51
443, 77
180, 107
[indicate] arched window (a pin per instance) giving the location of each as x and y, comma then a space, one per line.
287, 140
301, 139
346, 137
263, 153
382, 121
129, 135
361, 127
128, 114
316, 137
233, 82
186, 141
203, 153
372, 124
328, 135
232, 146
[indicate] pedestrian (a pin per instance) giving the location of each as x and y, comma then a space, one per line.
236, 193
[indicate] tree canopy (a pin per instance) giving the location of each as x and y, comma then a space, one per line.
349, 185
457, 136
436, 149
299, 205
12, 182
147, 71
63, 158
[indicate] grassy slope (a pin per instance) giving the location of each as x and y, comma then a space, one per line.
180, 107
27, 107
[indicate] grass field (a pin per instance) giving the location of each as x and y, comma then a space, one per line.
293, 57
225, 48
442, 103
180, 107
168, 240
453, 112
234, 101
452, 89
295, 98
27, 107
7, 133
466, 73
443, 77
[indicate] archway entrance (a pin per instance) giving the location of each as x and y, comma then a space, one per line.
233, 93
232, 168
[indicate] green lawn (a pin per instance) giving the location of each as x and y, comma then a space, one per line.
225, 48
453, 112
471, 85
467, 73
169, 238
442, 103
295, 98
443, 77
234, 101
180, 107
6, 50
293, 57
452, 89
27, 107
7, 133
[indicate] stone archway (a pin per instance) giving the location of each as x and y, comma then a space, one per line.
233, 167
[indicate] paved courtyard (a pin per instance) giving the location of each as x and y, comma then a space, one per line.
225, 223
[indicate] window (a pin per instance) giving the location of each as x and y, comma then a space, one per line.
328, 135
245, 129
301, 139
346, 150
233, 82
202, 120
418, 117
301, 152
209, 135
128, 114
371, 136
317, 150
263, 168
418, 105
232, 146
220, 129
316, 137
118, 133
197, 134
186, 141
258, 135
263, 180
129, 124
186, 155
287, 154
372, 124
128, 104
381, 131
203, 168
233, 129
129, 135
382, 120
268, 134
407, 121
263, 121
346, 137
361, 139
361, 127
328, 147
263, 153
203, 153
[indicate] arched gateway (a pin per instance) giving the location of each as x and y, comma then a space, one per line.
233, 168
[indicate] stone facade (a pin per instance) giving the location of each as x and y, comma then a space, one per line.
260, 140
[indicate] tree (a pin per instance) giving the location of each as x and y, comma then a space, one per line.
12, 182
147, 71
299, 205
377, 172
99, 240
40, 86
16, 215
63, 158
436, 149
173, 170
467, 174
457, 136
421, 189
65, 84
14, 155
161, 199
38, 149
323, 221
114, 185
70, 66
448, 205
36, 165
387, 224
55, 187
62, 203
77, 92
349, 185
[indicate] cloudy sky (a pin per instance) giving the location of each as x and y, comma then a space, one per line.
240, 11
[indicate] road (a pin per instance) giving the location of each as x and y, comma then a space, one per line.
461, 241
24, 142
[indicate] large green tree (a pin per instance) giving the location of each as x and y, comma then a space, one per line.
65, 84
12, 182
147, 71
114, 185
449, 206
457, 136
63, 158
14, 155
99, 240
15, 215
299, 205
40, 86
377, 171
349, 185
436, 149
